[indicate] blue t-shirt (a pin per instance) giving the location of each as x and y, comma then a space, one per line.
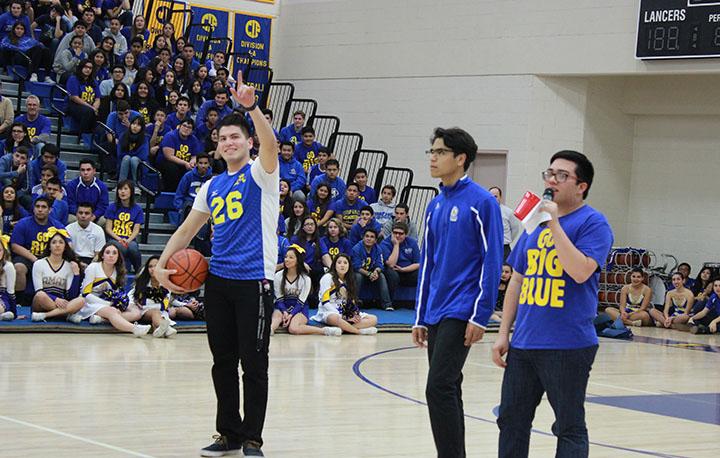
346, 211
554, 311
283, 245
40, 126
361, 259
327, 246
368, 195
244, 207
150, 128
337, 186
86, 91
307, 155
312, 251
183, 148
33, 236
124, 219
8, 217
357, 232
409, 251
713, 303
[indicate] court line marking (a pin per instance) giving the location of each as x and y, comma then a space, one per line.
362, 377
73, 436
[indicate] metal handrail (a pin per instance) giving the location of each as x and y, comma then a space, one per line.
149, 196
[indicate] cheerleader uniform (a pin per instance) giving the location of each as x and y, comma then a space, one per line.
60, 283
7, 289
333, 301
633, 302
93, 287
294, 299
677, 308
153, 299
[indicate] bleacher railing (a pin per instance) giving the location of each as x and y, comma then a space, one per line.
278, 95
308, 106
325, 126
149, 179
417, 199
343, 145
372, 160
59, 106
399, 177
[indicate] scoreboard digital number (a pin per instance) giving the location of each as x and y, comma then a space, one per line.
678, 29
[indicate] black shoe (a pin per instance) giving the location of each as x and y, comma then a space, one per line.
251, 448
221, 447
389, 308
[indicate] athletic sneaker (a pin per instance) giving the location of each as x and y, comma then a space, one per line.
368, 331
33, 77
699, 329
170, 332
637, 323
74, 318
162, 328
37, 316
140, 330
221, 447
389, 308
251, 448
96, 319
332, 331
7, 316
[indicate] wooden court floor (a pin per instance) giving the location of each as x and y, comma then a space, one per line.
66, 395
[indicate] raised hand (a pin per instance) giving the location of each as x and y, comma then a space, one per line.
242, 93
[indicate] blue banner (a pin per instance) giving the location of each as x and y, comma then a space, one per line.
251, 48
204, 21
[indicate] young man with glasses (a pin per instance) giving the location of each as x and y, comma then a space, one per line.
552, 299
402, 258
460, 272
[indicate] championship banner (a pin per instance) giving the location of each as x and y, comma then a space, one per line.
158, 12
251, 45
218, 24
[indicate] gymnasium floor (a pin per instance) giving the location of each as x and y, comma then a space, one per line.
108, 395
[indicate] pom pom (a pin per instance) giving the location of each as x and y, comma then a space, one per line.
117, 297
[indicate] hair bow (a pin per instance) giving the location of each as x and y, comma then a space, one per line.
299, 249
54, 230
5, 239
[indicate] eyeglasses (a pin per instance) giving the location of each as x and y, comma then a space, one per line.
398, 233
561, 176
438, 151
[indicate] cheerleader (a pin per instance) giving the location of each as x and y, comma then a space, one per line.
292, 287
56, 277
338, 300
149, 302
8, 309
103, 292
634, 302
678, 306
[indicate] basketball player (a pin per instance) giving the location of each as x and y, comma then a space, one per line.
554, 292
243, 204
460, 272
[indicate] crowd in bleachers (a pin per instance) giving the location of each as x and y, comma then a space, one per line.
70, 249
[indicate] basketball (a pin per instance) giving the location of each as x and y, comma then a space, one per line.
191, 267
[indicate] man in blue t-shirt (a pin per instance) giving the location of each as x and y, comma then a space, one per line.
306, 151
365, 220
319, 168
38, 125
291, 132
366, 193
29, 240
181, 113
552, 299
348, 208
50, 155
402, 258
367, 260
243, 203
331, 178
178, 150
292, 170
461, 263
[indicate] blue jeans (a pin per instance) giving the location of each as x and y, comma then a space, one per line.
381, 285
129, 166
131, 255
563, 375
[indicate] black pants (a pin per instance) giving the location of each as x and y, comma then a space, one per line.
447, 353
707, 319
563, 375
506, 251
39, 57
172, 173
83, 115
238, 329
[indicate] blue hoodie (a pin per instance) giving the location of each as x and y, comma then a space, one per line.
189, 186
95, 193
462, 256
292, 171
36, 170
361, 259
8, 172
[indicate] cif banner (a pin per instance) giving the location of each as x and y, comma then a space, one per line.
159, 12
251, 45
207, 22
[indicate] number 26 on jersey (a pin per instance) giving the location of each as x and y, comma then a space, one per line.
228, 208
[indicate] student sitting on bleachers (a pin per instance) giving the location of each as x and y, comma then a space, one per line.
52, 26
306, 151
182, 108
292, 289
14, 171
149, 301
367, 193
104, 294
38, 126
88, 188
348, 207
123, 221
116, 77
678, 306
87, 237
84, 97
130, 64
79, 29
14, 14
402, 258
385, 208
29, 240
338, 296
56, 278
366, 220
142, 101
293, 224
8, 308
114, 30
16, 43
12, 211
291, 132
203, 130
58, 207
138, 30
706, 321
155, 132
179, 149
308, 239
132, 149
108, 103
118, 121
331, 178
292, 170
634, 302
219, 102
334, 243
50, 155
402, 215
47, 172
319, 168
67, 60
286, 200
320, 205
368, 264
190, 184
18, 138
99, 58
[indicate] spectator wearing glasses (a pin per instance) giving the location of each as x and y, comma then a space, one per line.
402, 258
